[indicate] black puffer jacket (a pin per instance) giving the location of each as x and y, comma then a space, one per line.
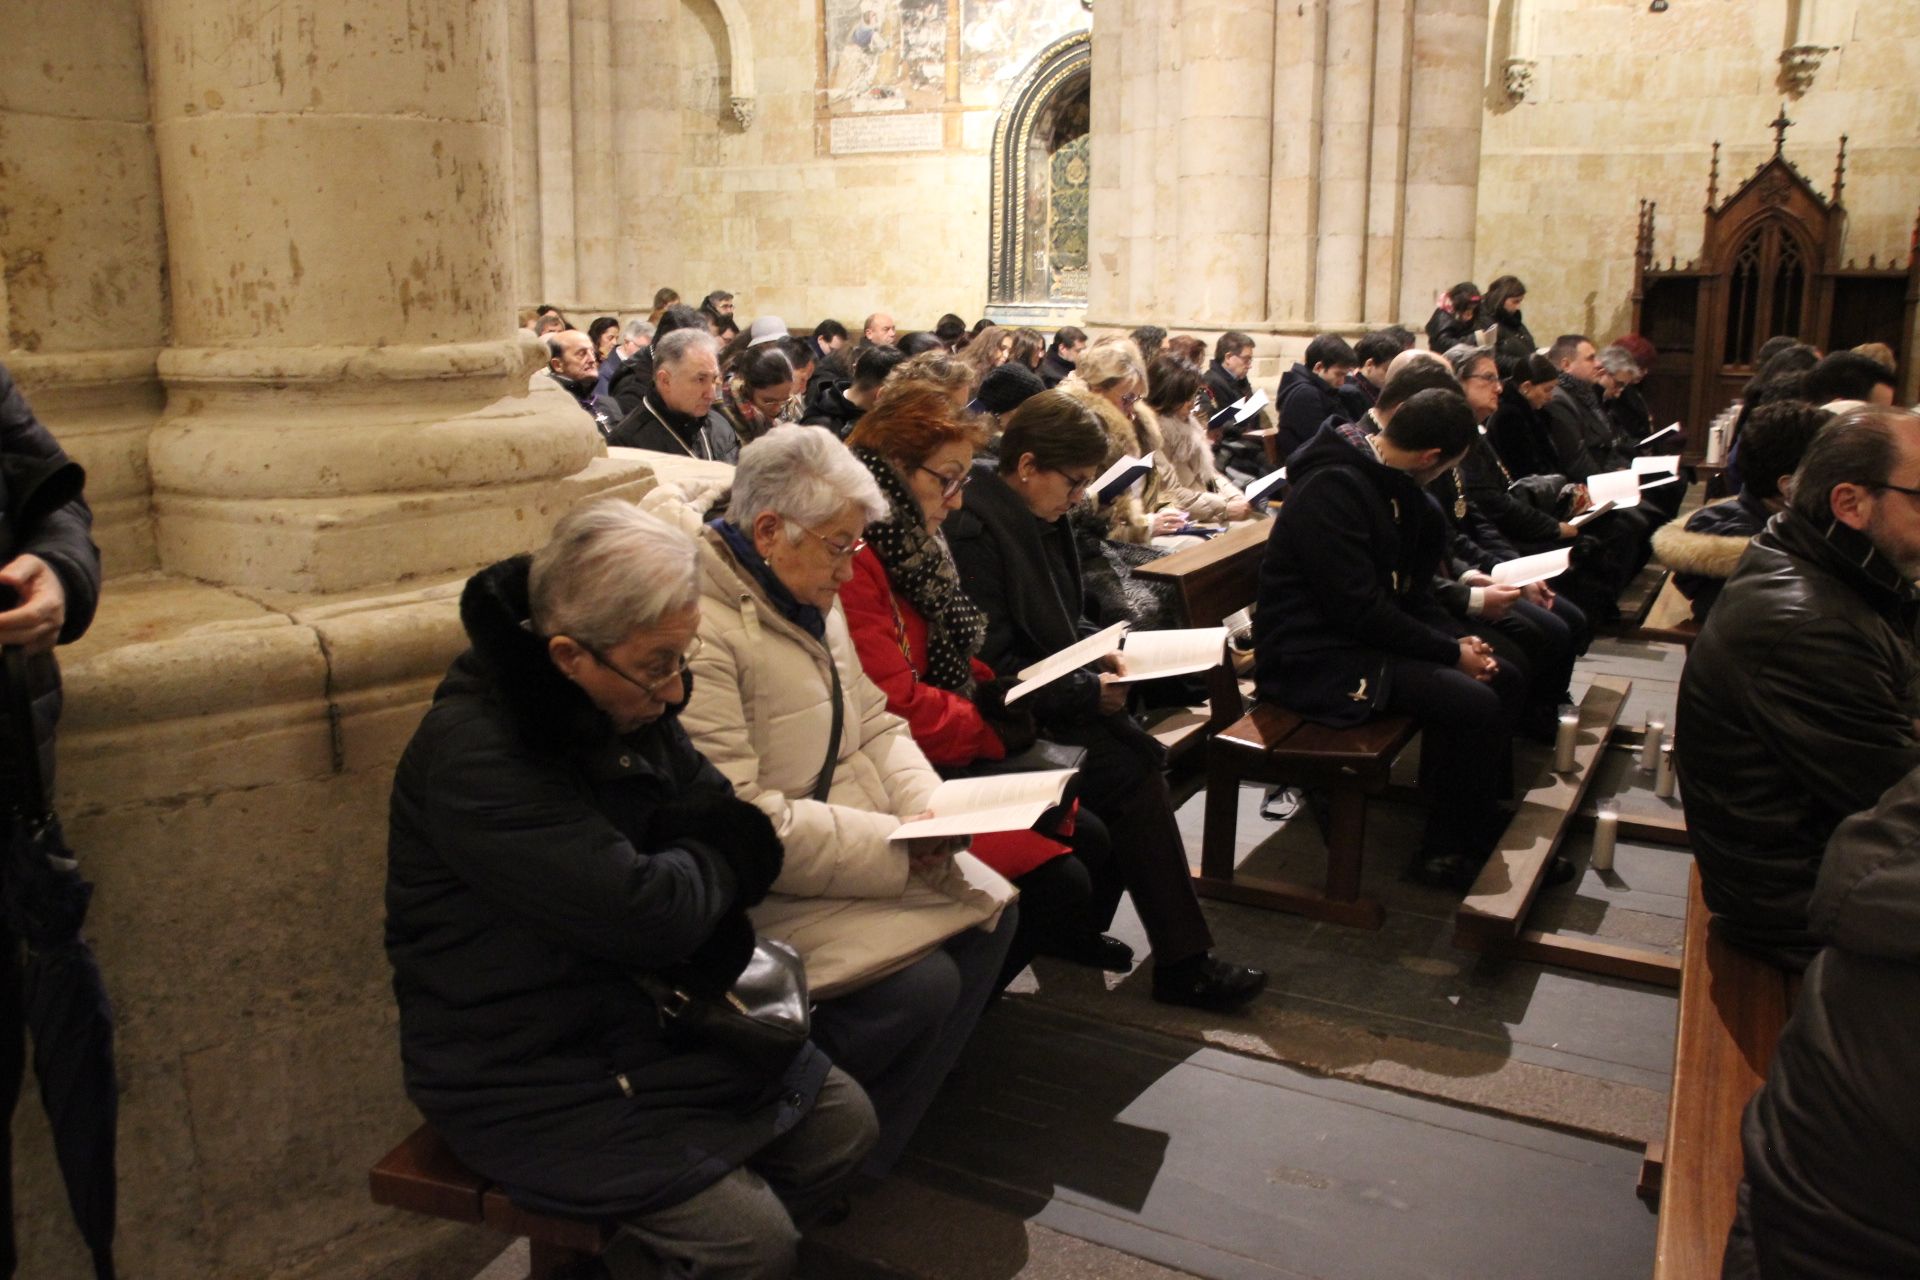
1833, 1137
46, 516
535, 862
1796, 709
1347, 579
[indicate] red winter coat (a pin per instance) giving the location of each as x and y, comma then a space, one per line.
891, 637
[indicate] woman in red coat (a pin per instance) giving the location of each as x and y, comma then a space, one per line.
917, 633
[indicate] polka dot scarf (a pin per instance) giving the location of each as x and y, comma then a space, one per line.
919, 568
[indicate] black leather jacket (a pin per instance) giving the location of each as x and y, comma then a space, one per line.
1796, 709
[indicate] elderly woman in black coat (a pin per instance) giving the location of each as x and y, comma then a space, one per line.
553, 835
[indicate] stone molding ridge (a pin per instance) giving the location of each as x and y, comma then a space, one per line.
513, 357
36, 370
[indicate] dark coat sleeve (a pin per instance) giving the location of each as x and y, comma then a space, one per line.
991, 584
1333, 551
1487, 490
525, 836
1569, 441
65, 538
1301, 413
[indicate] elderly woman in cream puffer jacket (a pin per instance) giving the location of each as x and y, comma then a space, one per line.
902, 941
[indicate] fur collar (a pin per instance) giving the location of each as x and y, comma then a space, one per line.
1710, 555
547, 710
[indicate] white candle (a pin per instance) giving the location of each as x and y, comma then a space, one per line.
1663, 777
1650, 745
1565, 740
1606, 829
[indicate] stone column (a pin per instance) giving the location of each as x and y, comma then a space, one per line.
345, 391
1442, 189
1346, 138
646, 149
82, 290
595, 208
1293, 209
553, 133
1222, 151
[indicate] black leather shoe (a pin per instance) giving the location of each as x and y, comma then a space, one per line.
1207, 983
1445, 871
1559, 871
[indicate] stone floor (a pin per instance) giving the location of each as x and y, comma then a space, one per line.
1391, 1107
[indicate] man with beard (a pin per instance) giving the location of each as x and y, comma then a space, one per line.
1797, 706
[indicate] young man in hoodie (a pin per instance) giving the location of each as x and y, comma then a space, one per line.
1309, 393
1346, 625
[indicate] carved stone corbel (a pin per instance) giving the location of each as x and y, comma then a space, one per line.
742, 111
1519, 78
1798, 63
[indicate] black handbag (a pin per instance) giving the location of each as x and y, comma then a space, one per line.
765, 1016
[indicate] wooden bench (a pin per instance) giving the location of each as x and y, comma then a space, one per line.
1732, 1008
422, 1176
1637, 598
1670, 618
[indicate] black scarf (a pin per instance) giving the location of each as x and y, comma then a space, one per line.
919, 568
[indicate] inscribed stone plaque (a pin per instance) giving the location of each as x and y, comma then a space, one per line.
861, 134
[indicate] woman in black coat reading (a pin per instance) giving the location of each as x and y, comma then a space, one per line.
554, 835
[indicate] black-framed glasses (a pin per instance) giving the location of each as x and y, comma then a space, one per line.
1900, 488
1482, 376
834, 549
950, 486
649, 683
1075, 484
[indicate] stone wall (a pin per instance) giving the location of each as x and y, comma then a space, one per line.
1626, 104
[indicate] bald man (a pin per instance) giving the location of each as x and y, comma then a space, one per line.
880, 330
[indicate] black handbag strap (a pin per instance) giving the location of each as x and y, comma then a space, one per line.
825, 784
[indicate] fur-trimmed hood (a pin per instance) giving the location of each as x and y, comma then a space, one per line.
1709, 555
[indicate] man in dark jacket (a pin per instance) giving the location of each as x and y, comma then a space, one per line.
1062, 356
839, 403
1239, 457
49, 569
1375, 351
1583, 438
570, 363
1830, 1139
1309, 393
677, 416
634, 378
1705, 548
554, 835
1346, 626
1797, 705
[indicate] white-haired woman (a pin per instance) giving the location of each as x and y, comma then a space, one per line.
902, 941
554, 834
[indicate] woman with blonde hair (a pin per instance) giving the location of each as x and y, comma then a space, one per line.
1110, 379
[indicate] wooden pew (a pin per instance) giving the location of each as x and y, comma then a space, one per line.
1732, 1008
422, 1176
1669, 619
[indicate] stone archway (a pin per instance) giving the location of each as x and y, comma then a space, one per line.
1037, 263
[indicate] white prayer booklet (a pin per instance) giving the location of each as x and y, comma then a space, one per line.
1120, 477
1621, 488
1071, 658
1591, 513
1664, 463
1656, 482
998, 802
1259, 489
1671, 426
1154, 655
1247, 406
1486, 336
1527, 570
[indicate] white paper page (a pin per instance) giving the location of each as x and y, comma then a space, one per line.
1656, 482
1114, 473
1000, 802
1071, 658
1591, 513
1486, 336
1528, 570
1621, 488
1671, 426
1669, 463
1250, 405
1154, 655
1259, 488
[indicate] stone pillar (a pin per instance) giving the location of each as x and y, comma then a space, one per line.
595, 208
1222, 156
553, 134
1299, 39
1346, 138
1442, 188
345, 391
82, 290
646, 149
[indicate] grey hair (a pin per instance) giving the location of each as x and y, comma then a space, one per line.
1619, 363
672, 350
608, 570
1857, 447
637, 329
1464, 356
804, 474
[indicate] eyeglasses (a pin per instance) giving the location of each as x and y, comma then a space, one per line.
1483, 376
650, 682
1075, 484
834, 549
950, 486
1899, 488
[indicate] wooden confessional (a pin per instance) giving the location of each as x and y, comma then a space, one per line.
1771, 261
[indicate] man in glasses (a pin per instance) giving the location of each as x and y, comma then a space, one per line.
1797, 706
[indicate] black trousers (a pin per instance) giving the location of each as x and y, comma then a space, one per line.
1466, 748
1124, 783
1545, 642
1058, 905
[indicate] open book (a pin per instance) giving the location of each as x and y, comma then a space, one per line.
1527, 570
1153, 655
1071, 658
998, 802
1259, 489
1120, 477
1591, 513
1671, 426
1665, 463
1239, 411
1620, 488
